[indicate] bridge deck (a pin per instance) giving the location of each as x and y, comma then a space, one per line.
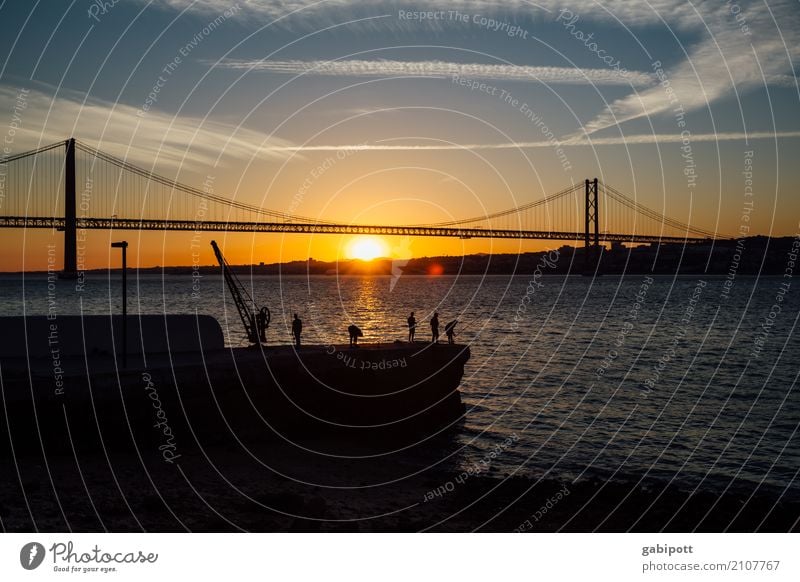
325, 228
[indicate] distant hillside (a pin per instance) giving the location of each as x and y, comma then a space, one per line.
749, 256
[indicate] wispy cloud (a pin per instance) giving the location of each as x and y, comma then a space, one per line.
740, 48
730, 47
440, 69
123, 131
630, 140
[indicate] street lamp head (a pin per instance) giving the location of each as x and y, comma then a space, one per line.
120, 244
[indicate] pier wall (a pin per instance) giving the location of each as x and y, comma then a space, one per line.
37, 337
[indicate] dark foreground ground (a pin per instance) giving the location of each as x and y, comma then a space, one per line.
279, 487
198, 479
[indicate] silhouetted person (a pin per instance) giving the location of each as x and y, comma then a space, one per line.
297, 329
450, 331
435, 328
355, 333
412, 327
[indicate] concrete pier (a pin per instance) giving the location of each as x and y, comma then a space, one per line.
171, 402
41, 337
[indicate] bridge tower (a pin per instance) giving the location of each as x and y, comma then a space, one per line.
70, 214
592, 231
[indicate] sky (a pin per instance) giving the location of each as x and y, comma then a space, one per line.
364, 111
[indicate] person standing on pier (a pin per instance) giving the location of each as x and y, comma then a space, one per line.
450, 331
412, 327
354, 332
297, 329
435, 328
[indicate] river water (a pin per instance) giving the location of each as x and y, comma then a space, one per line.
633, 378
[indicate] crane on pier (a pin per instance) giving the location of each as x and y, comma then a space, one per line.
255, 320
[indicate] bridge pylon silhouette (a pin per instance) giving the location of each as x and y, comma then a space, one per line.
70, 270
591, 238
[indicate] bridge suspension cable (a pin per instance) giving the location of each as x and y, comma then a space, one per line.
52, 146
667, 221
515, 210
191, 190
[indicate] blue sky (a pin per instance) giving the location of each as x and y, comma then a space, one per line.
266, 91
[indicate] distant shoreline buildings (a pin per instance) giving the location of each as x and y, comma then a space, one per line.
758, 255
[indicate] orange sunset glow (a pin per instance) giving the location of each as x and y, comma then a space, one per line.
366, 248
31, 250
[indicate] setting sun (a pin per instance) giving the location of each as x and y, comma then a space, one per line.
366, 248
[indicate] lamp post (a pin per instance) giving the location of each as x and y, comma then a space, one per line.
124, 246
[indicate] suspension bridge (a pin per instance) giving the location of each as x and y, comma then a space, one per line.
39, 189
